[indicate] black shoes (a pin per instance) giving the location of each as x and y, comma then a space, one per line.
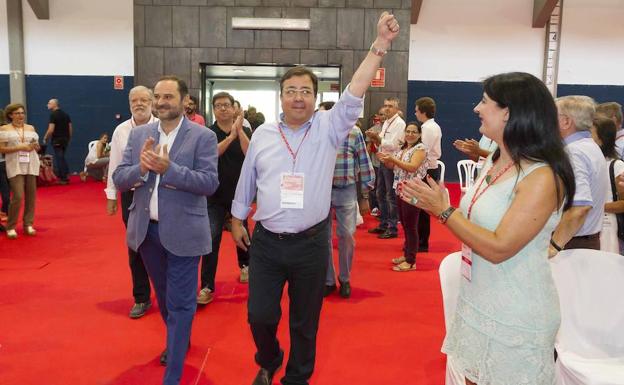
387, 235
345, 289
423, 249
376, 230
163, 357
328, 290
264, 377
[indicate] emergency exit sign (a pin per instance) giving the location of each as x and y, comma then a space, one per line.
380, 78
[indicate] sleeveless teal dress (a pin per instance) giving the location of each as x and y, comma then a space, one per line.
507, 316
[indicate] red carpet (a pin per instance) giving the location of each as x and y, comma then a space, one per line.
65, 295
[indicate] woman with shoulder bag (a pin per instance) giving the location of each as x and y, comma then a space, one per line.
604, 133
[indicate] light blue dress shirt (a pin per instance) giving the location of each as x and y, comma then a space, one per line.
590, 176
268, 157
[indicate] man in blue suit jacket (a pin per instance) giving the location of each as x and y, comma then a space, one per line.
172, 166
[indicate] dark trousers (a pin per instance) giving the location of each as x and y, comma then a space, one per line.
140, 280
424, 223
175, 279
217, 213
372, 194
386, 198
5, 189
60, 146
300, 260
408, 215
584, 242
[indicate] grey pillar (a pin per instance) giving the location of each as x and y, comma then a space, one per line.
17, 83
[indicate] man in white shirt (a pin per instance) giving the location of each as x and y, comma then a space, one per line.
432, 139
141, 99
388, 141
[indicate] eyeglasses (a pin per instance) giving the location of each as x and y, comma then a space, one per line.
304, 93
219, 106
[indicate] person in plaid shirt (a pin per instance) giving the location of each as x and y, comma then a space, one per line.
353, 166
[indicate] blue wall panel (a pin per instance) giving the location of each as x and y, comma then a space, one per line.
90, 101
600, 93
5, 92
454, 104
455, 101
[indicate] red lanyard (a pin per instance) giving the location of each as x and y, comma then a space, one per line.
293, 154
480, 192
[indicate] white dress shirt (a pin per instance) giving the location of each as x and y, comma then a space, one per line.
118, 145
168, 140
432, 138
392, 134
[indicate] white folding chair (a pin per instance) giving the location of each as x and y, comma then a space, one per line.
590, 341
442, 168
449, 282
466, 171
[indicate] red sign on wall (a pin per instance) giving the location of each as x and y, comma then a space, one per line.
118, 82
380, 78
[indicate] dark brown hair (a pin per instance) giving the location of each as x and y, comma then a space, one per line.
427, 106
182, 87
299, 71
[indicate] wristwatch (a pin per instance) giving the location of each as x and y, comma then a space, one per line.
446, 214
378, 51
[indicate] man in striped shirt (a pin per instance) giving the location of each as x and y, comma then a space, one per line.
353, 166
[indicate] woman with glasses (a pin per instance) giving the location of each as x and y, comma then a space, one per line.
19, 144
410, 162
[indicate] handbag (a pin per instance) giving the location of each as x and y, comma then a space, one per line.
619, 217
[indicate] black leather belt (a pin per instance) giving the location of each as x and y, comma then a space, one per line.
588, 237
154, 221
317, 228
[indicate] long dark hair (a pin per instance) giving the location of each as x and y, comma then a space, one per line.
532, 131
606, 132
405, 144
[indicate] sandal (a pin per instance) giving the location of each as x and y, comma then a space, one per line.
404, 266
399, 260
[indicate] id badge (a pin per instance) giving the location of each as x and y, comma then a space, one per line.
291, 190
466, 262
23, 156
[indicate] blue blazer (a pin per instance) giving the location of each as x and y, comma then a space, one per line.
184, 227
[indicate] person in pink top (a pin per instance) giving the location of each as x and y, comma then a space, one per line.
190, 110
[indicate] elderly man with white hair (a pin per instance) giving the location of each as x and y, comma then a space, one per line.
141, 99
580, 226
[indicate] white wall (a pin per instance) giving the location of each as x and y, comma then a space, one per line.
459, 40
81, 38
4, 40
592, 42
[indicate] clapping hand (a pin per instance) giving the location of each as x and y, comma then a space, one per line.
429, 196
151, 159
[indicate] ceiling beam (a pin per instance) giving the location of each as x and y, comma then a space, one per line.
41, 8
415, 11
542, 9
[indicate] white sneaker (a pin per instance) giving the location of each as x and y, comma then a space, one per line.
244, 274
11, 234
29, 230
375, 212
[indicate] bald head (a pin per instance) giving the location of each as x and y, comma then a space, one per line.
53, 104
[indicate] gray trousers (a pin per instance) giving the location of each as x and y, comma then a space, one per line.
344, 203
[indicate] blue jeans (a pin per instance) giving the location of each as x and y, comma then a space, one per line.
60, 146
386, 198
344, 202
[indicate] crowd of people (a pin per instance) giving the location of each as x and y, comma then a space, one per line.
551, 167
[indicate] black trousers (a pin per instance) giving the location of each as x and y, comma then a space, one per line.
408, 215
424, 222
216, 213
5, 189
301, 260
140, 280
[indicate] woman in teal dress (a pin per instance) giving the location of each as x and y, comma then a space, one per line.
507, 314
